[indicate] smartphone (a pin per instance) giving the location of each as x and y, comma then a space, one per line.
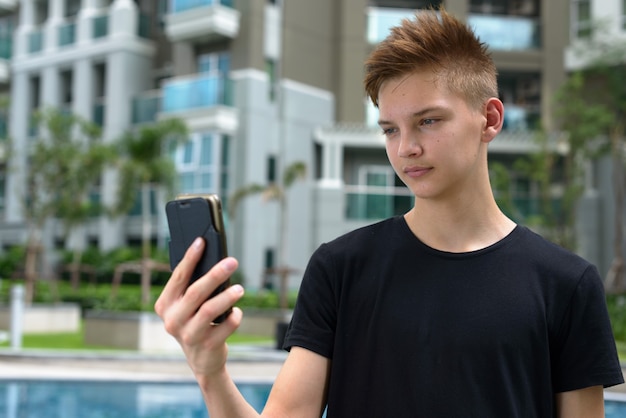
192, 216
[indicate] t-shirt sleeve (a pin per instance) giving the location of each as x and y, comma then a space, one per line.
585, 354
314, 318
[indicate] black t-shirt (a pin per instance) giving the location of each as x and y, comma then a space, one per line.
416, 332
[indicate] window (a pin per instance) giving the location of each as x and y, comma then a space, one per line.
216, 63
581, 19
66, 88
200, 163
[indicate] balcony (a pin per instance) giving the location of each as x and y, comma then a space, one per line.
201, 91
98, 112
203, 100
35, 41
67, 34
100, 28
201, 20
502, 33
521, 118
371, 203
507, 33
6, 51
146, 107
381, 19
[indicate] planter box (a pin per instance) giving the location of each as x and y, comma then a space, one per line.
262, 322
141, 331
44, 319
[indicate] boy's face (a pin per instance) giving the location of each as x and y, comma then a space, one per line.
434, 141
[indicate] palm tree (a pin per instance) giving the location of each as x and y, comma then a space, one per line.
277, 192
65, 166
146, 166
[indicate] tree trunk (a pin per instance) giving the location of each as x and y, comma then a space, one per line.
146, 231
33, 252
75, 268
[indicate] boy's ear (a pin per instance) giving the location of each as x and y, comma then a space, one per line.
494, 119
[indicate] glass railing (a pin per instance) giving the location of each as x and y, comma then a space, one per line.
67, 34
35, 41
144, 26
6, 46
507, 33
520, 118
363, 203
182, 5
4, 131
99, 109
380, 20
100, 27
499, 32
146, 107
198, 92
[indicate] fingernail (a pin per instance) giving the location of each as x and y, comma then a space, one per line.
238, 289
229, 265
197, 243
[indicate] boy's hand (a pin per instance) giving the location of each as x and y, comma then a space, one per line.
188, 315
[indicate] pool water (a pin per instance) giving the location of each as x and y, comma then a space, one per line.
94, 399
112, 399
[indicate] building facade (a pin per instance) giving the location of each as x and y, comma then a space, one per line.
261, 84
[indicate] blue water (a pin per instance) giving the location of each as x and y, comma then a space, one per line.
94, 399
80, 399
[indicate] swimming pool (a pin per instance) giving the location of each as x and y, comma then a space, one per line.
111, 399
614, 405
124, 399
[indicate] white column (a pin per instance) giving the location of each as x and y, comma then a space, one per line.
26, 24
19, 116
50, 87
123, 19
56, 12
84, 21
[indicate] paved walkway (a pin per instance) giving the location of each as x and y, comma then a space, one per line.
246, 363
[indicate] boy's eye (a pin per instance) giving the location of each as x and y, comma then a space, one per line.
428, 121
388, 131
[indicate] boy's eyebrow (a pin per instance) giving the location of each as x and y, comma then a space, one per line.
416, 114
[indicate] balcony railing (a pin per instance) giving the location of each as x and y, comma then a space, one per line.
369, 202
201, 91
521, 118
99, 110
380, 20
146, 107
100, 27
499, 32
35, 41
177, 6
6, 46
67, 34
507, 33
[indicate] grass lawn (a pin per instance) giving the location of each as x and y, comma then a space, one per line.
75, 341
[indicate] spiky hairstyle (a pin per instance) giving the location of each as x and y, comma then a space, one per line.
438, 42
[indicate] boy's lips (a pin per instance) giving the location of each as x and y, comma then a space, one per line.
416, 171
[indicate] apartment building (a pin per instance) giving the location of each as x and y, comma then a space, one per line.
261, 84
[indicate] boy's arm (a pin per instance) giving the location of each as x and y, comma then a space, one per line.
301, 386
587, 403
187, 315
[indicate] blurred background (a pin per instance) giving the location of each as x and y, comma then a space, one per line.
109, 108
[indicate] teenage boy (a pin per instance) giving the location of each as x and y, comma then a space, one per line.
451, 310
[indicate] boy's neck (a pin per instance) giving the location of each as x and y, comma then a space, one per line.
458, 228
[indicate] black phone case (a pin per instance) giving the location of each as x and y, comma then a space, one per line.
188, 219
